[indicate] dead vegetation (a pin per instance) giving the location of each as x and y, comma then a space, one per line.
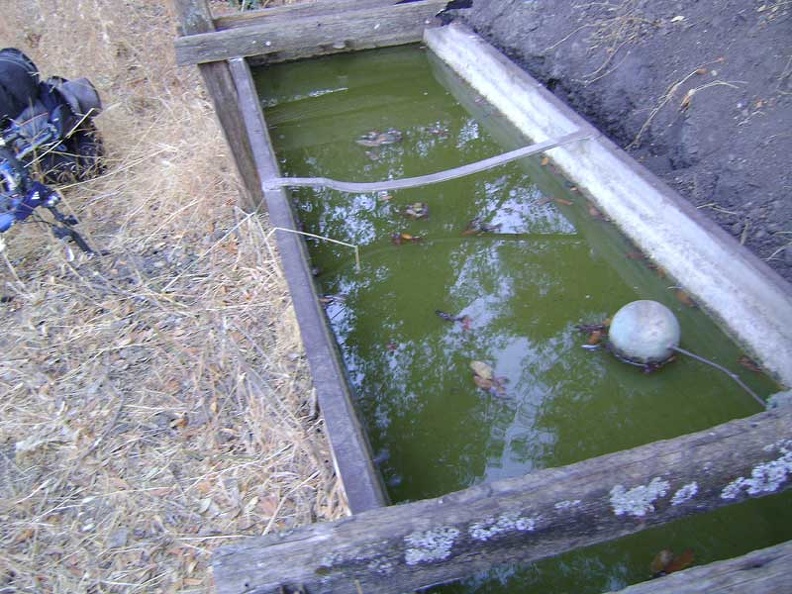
156, 402
616, 26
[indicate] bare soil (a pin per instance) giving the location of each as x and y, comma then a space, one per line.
699, 92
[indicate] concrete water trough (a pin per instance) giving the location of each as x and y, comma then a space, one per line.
387, 548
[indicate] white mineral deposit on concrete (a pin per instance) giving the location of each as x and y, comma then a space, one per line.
639, 500
503, 524
685, 493
429, 546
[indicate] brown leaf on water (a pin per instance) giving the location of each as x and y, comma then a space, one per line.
594, 212
680, 562
661, 560
666, 562
595, 337
483, 382
482, 369
684, 298
399, 238
544, 161
544, 200
563, 201
659, 270
748, 363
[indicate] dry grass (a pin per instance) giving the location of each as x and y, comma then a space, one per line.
615, 27
156, 403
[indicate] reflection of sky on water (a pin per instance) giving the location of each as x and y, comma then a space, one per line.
410, 369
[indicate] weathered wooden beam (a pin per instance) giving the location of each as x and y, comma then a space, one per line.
195, 18
766, 571
287, 12
313, 35
350, 450
402, 548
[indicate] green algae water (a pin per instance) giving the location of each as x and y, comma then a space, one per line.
494, 273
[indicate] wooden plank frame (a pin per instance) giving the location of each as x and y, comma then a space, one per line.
293, 34
544, 513
351, 452
400, 548
196, 19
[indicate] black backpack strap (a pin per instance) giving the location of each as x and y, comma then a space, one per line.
19, 82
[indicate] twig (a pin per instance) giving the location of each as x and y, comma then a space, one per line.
778, 251
670, 91
714, 206
323, 238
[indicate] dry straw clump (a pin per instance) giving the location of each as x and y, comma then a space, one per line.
156, 403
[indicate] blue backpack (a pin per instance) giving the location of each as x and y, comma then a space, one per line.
48, 137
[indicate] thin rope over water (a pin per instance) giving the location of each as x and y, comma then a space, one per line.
424, 180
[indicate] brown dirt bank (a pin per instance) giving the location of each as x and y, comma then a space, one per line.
699, 92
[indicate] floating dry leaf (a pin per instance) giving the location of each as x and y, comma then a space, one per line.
594, 212
748, 363
595, 337
684, 298
482, 370
666, 562
660, 561
482, 382
681, 561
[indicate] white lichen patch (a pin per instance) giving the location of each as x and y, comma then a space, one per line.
429, 546
505, 523
565, 505
639, 500
765, 478
685, 493
381, 566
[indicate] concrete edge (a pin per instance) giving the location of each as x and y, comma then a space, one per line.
745, 296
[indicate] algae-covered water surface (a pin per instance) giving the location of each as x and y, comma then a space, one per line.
460, 331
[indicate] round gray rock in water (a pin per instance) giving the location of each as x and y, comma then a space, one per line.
644, 332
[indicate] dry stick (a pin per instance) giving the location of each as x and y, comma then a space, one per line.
778, 251
12, 269
322, 237
731, 374
669, 94
207, 252
595, 76
423, 180
563, 39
